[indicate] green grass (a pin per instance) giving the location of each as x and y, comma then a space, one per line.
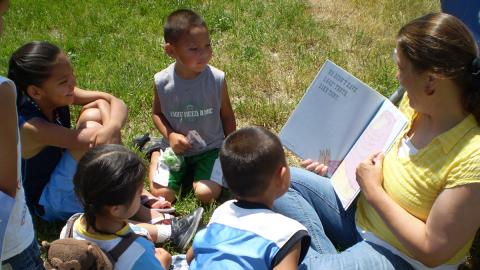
269, 50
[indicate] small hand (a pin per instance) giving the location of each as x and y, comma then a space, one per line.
316, 167
178, 143
93, 104
370, 175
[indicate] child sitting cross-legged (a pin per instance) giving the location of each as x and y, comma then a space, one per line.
108, 183
245, 233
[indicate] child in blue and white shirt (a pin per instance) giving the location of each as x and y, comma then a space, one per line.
245, 233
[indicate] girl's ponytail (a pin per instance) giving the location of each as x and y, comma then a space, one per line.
31, 64
107, 175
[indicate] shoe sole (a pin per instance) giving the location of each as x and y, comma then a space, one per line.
191, 232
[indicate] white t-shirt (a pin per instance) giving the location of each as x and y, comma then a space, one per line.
19, 234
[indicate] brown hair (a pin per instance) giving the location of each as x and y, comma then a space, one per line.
250, 157
442, 44
180, 22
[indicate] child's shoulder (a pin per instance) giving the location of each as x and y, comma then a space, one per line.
164, 73
241, 213
215, 70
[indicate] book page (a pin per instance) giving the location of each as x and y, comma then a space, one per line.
377, 137
330, 117
6, 203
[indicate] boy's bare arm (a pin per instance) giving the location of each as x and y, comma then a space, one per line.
291, 259
8, 139
177, 141
226, 112
158, 119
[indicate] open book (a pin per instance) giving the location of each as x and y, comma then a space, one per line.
339, 122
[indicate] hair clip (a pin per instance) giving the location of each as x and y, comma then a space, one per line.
476, 67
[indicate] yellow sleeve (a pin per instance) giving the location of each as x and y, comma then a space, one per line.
465, 171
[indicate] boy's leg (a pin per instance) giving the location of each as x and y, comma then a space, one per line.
28, 259
206, 191
155, 188
204, 188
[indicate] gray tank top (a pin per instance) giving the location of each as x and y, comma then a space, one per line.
193, 104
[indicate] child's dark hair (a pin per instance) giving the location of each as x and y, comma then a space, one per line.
442, 44
107, 175
31, 64
180, 22
249, 158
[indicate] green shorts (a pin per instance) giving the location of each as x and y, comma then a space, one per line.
199, 166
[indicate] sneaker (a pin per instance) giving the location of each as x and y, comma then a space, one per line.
154, 144
140, 141
183, 229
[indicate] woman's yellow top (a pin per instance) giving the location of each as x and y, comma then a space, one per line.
414, 182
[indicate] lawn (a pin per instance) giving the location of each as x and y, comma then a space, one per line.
269, 50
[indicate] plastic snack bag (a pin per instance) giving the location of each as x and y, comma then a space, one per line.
196, 140
172, 160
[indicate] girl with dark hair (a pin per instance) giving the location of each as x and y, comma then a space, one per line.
419, 203
108, 183
46, 87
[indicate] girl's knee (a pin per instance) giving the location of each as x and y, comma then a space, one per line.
89, 118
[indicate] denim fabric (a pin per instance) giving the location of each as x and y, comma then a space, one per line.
28, 259
312, 201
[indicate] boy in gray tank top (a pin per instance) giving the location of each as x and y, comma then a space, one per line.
190, 97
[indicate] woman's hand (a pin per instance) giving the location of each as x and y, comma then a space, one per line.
178, 142
370, 175
314, 166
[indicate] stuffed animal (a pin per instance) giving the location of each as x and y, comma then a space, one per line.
74, 254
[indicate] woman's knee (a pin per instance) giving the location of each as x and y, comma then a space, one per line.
304, 179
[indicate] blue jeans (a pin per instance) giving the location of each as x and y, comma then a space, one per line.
312, 201
28, 259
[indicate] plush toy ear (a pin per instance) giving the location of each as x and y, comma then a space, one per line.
45, 246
